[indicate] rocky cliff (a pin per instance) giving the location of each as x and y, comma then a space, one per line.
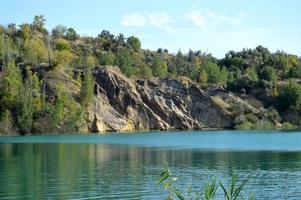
123, 104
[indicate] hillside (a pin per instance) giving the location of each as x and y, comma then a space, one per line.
58, 81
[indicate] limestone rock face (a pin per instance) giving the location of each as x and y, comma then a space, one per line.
122, 96
122, 104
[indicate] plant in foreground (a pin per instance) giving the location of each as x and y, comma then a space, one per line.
233, 192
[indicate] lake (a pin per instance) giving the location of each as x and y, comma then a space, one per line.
127, 166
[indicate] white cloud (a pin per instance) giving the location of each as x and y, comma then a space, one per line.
209, 19
159, 20
197, 18
204, 19
134, 19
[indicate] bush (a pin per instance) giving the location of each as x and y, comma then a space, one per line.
289, 96
134, 43
215, 73
106, 58
295, 72
62, 44
269, 74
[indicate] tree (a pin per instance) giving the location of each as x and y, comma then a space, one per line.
143, 71
251, 72
38, 23
28, 102
62, 44
290, 95
106, 58
25, 31
87, 90
58, 112
295, 72
134, 43
202, 76
11, 30
125, 62
120, 39
59, 31
65, 113
159, 67
35, 51
10, 86
215, 74
107, 40
8, 50
71, 34
63, 57
269, 74
62, 52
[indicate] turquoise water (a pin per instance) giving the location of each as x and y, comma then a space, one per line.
126, 166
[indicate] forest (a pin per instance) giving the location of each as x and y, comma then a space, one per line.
29, 50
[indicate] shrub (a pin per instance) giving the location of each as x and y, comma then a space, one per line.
289, 96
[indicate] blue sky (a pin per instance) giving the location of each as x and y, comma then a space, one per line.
214, 26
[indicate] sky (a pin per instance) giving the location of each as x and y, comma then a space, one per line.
213, 26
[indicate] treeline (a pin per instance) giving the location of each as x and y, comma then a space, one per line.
29, 47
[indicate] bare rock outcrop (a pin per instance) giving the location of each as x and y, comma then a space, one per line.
123, 104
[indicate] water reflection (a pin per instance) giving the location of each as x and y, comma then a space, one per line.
63, 171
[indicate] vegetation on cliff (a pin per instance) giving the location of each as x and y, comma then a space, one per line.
47, 81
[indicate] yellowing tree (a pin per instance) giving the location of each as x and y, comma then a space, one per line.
35, 51
63, 57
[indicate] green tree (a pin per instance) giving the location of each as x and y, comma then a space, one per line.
159, 67
215, 74
25, 31
10, 86
295, 72
290, 95
143, 71
203, 76
106, 58
58, 112
8, 50
134, 43
124, 61
28, 102
66, 114
87, 90
251, 72
38, 23
71, 34
269, 74
63, 57
62, 44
